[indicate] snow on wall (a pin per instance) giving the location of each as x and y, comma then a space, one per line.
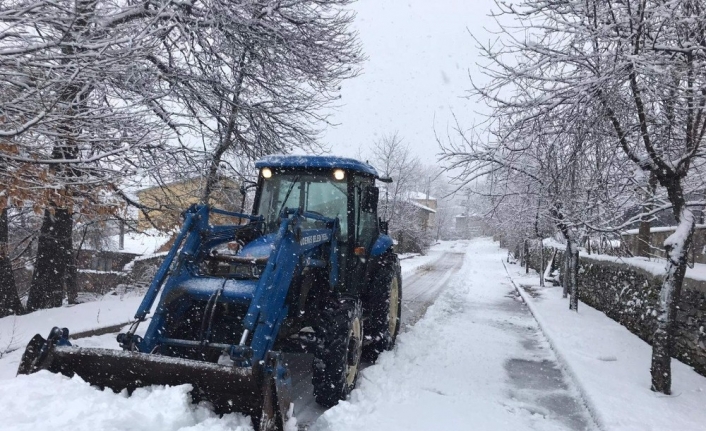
627, 291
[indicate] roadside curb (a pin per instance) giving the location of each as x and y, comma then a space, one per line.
565, 364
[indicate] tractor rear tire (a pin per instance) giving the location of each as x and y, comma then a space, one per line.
337, 356
385, 305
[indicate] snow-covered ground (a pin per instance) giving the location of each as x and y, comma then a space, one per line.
68, 404
612, 366
46, 401
410, 265
16, 331
476, 360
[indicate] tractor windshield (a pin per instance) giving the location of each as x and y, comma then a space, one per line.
315, 193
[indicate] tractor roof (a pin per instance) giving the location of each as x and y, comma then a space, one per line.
316, 162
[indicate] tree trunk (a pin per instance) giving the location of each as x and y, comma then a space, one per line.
9, 299
71, 280
573, 276
54, 248
565, 284
53, 256
643, 235
677, 249
541, 266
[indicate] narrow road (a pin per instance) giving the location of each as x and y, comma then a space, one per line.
477, 361
419, 291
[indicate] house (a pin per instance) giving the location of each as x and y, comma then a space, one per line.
426, 206
414, 225
470, 225
168, 201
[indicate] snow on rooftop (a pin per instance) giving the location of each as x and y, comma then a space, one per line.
659, 229
424, 207
147, 242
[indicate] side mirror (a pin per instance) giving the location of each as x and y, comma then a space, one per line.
247, 185
369, 202
384, 227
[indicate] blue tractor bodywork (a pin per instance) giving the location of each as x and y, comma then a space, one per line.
280, 254
219, 320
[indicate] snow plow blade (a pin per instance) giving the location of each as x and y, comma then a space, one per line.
257, 391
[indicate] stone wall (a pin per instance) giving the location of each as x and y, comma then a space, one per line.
628, 295
99, 282
142, 270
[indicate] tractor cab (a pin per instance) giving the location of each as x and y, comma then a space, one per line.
332, 187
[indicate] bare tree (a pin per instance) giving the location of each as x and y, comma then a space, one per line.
91, 88
394, 159
250, 79
71, 114
639, 68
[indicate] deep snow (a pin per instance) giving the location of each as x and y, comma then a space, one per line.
477, 360
71, 404
46, 401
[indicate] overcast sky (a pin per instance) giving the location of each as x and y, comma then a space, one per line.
420, 55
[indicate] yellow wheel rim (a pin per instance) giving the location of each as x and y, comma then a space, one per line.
355, 346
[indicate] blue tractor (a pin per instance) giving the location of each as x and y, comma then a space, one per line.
312, 269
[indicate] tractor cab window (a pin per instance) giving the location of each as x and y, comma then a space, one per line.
315, 193
366, 222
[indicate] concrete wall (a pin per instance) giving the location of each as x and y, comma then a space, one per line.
628, 295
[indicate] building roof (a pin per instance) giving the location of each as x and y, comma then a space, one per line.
316, 162
424, 207
148, 242
194, 179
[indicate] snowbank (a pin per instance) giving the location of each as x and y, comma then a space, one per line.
16, 331
46, 401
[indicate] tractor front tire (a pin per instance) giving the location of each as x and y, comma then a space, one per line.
385, 305
337, 356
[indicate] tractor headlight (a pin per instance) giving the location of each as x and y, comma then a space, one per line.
266, 173
339, 174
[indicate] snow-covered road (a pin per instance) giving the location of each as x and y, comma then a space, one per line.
424, 278
476, 360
